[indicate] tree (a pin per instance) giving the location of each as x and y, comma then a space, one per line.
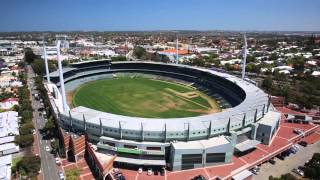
50, 127
24, 140
29, 56
26, 128
228, 67
298, 63
287, 176
267, 83
273, 56
118, 58
30, 165
139, 52
312, 168
73, 174
250, 59
55, 145
38, 66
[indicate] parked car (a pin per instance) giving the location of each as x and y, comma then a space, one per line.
303, 143
279, 156
156, 172
140, 170
162, 171
298, 171
199, 177
272, 161
293, 150
150, 172
255, 170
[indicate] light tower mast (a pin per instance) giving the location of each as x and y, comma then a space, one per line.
177, 51
244, 56
62, 89
46, 60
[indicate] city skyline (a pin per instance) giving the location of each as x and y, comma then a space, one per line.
124, 15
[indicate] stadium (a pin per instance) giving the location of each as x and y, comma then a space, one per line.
210, 116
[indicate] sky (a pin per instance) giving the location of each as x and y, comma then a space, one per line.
133, 15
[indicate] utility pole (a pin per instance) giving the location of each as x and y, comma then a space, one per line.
244, 56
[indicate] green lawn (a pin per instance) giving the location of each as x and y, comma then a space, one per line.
141, 97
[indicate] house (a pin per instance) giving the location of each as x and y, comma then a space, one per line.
5, 167
9, 123
8, 103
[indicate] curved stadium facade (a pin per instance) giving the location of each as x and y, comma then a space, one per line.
248, 118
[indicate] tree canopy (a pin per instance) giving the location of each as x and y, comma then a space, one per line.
312, 168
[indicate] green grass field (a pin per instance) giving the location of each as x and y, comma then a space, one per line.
142, 97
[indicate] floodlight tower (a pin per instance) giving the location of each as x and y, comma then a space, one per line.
46, 60
62, 89
244, 56
177, 51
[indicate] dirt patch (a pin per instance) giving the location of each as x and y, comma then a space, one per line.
192, 94
188, 95
70, 97
167, 104
204, 111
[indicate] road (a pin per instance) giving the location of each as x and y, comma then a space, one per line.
48, 166
285, 166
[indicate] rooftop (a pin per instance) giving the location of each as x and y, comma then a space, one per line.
202, 144
9, 123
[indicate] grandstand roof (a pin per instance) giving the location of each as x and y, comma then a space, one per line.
255, 99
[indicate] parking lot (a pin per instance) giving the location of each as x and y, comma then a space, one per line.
290, 162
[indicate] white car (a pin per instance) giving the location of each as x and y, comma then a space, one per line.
58, 162
47, 148
140, 170
150, 172
61, 175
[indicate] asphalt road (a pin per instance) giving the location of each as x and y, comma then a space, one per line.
48, 166
285, 166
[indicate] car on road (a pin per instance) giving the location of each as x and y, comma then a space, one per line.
47, 148
61, 175
58, 162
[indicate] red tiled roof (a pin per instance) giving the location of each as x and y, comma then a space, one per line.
173, 51
10, 99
